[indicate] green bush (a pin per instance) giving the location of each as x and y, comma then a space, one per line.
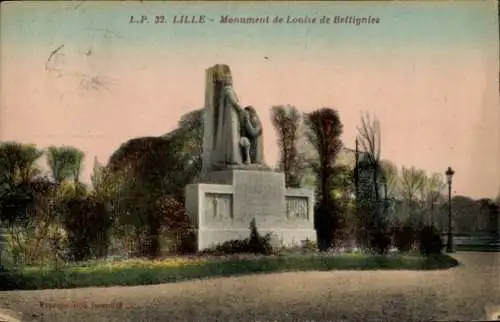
234, 246
87, 223
430, 242
258, 244
12, 280
404, 238
255, 244
185, 242
380, 242
309, 245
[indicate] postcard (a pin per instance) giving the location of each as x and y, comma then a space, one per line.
253, 161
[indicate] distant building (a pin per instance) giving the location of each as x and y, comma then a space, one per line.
366, 188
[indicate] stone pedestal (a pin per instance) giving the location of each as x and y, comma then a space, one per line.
223, 206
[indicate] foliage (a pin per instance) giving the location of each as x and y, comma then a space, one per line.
309, 245
171, 270
177, 225
259, 244
65, 162
106, 184
17, 162
152, 170
342, 182
430, 242
185, 242
404, 237
190, 136
254, 244
87, 223
33, 245
287, 122
324, 129
145, 181
20, 184
234, 246
380, 242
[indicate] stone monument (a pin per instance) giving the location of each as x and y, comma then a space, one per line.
236, 184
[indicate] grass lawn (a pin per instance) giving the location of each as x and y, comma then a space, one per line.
477, 248
144, 272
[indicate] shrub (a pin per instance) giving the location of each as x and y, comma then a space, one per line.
404, 238
185, 242
380, 242
430, 241
255, 244
8, 280
309, 245
87, 223
258, 244
234, 246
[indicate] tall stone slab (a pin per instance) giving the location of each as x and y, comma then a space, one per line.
208, 129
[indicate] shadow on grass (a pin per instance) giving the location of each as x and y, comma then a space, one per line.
148, 272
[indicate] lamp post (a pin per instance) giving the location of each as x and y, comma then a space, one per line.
449, 176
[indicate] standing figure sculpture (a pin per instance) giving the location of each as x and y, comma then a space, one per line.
227, 116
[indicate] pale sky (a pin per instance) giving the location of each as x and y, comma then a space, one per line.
427, 71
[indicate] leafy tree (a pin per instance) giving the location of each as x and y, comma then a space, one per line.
87, 223
342, 182
324, 129
287, 122
65, 162
150, 175
24, 199
187, 148
189, 134
18, 162
343, 189
20, 182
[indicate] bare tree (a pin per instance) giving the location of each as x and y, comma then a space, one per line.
412, 183
434, 187
391, 178
369, 138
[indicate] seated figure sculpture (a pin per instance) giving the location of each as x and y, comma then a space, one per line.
251, 136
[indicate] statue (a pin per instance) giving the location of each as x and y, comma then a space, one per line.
227, 116
251, 137
233, 134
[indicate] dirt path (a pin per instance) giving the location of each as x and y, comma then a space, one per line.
460, 293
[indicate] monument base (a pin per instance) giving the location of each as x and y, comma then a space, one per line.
223, 206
